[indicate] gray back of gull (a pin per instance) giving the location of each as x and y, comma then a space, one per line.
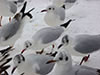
87, 43
10, 29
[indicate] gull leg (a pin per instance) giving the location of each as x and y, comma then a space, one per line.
40, 52
53, 46
84, 59
9, 19
0, 20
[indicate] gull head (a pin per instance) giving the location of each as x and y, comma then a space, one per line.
64, 41
50, 8
62, 58
18, 59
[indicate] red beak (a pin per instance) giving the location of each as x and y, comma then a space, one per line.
51, 61
23, 51
44, 11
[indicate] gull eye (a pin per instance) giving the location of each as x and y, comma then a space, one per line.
53, 8
49, 8
66, 58
67, 40
19, 62
60, 58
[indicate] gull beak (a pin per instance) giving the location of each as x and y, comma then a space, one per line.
13, 70
44, 11
23, 51
51, 61
60, 46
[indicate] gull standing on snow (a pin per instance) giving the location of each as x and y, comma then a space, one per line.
45, 37
63, 66
32, 64
54, 15
10, 32
81, 44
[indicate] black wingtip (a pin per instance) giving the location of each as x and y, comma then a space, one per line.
28, 13
98, 70
64, 6
5, 51
60, 46
24, 7
54, 54
4, 68
65, 25
23, 11
4, 57
22, 74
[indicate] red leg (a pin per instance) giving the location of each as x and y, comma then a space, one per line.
9, 19
40, 52
84, 59
53, 46
0, 21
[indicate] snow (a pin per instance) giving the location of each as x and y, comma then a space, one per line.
86, 13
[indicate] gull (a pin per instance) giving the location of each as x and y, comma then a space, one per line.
81, 44
63, 66
54, 15
10, 32
8, 8
32, 64
45, 37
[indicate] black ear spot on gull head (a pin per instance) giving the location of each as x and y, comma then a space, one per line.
66, 58
65, 39
60, 58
